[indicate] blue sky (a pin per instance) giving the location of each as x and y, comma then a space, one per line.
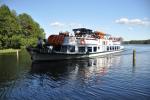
129, 19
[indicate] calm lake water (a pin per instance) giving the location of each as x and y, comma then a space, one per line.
109, 78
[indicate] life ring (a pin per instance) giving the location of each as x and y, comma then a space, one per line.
82, 41
106, 42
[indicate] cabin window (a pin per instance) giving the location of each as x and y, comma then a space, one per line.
71, 48
107, 48
112, 47
95, 49
81, 49
89, 49
63, 48
103, 42
57, 48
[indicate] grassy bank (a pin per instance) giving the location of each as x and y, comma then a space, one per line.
8, 50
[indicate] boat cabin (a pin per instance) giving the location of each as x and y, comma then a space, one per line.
84, 41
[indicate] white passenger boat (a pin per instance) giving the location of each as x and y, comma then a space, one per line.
83, 44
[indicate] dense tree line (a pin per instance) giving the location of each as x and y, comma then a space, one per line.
18, 31
137, 42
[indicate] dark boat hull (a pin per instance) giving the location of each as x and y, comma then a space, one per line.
37, 55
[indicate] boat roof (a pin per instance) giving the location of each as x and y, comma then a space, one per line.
83, 30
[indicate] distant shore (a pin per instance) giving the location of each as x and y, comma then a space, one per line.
137, 42
8, 51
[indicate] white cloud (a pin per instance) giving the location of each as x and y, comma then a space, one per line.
133, 21
66, 25
57, 24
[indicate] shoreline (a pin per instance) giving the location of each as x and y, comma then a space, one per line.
3, 51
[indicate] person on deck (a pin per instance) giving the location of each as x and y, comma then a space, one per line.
40, 42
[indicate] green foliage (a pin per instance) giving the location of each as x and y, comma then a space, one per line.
137, 42
8, 22
28, 42
1, 45
29, 26
18, 31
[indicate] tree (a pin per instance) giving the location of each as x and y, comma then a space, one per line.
18, 30
137, 42
8, 22
29, 26
30, 29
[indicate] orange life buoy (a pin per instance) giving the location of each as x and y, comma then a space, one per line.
106, 42
82, 41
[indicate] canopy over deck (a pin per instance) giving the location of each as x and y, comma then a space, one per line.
82, 31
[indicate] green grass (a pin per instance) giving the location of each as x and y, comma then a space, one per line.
8, 50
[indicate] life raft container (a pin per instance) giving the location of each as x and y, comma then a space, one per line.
55, 39
100, 35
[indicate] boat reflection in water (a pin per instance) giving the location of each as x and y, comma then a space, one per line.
75, 70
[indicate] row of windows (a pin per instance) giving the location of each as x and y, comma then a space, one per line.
65, 48
82, 49
89, 49
113, 48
